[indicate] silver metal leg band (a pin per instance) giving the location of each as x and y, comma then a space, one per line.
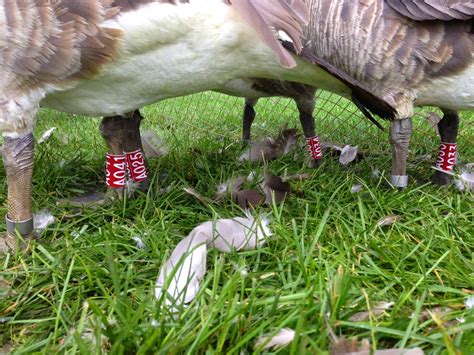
399, 180
23, 227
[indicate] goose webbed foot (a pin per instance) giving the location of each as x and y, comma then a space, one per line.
18, 153
400, 133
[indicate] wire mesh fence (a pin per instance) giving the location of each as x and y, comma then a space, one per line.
210, 115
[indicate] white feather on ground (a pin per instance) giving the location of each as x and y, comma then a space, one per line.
42, 219
469, 302
357, 188
139, 242
377, 310
230, 186
388, 220
348, 154
284, 337
153, 146
465, 180
181, 274
46, 135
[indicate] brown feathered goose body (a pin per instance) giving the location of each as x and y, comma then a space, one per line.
410, 52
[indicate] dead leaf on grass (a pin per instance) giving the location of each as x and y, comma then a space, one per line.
376, 311
275, 186
198, 196
388, 220
248, 198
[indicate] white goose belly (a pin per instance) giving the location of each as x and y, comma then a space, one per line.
174, 50
451, 92
167, 51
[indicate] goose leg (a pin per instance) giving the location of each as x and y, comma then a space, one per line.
305, 107
448, 130
400, 133
125, 158
18, 153
248, 117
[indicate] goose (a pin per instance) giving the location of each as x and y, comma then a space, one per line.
110, 57
409, 52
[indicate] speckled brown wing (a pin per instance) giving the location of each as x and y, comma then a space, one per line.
385, 51
445, 10
49, 41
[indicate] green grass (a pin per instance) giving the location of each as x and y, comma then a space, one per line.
85, 287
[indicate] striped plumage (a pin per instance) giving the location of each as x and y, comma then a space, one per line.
398, 57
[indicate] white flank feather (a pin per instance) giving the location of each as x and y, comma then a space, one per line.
281, 339
181, 275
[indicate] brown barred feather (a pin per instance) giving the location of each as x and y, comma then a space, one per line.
49, 41
446, 10
383, 49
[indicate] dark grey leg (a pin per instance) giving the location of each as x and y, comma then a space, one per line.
305, 107
18, 154
248, 117
400, 133
448, 131
122, 135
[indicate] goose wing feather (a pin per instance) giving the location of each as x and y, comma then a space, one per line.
362, 95
422, 10
286, 15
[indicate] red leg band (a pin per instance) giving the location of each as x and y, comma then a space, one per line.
116, 171
314, 148
136, 166
446, 156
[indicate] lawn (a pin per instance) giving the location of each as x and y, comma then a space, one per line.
87, 287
